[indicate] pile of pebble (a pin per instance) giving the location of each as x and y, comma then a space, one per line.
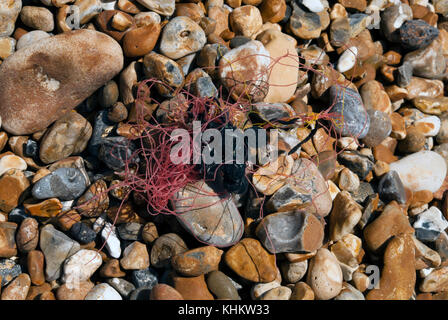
68, 76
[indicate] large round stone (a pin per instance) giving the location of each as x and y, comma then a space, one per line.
48, 78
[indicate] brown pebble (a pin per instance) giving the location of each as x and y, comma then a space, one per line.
17, 289
27, 236
251, 261
164, 292
192, 288
111, 269
35, 263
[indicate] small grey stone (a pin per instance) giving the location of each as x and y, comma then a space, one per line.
9, 270
363, 192
144, 278
123, 287
63, 183
221, 286
204, 87
130, 231
380, 128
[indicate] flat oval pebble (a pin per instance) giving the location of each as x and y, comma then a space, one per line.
243, 69
197, 261
424, 170
251, 261
81, 266
65, 183
353, 120
221, 286
214, 221
58, 73
181, 36
290, 232
325, 275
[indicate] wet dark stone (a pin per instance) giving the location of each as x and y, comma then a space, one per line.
17, 215
348, 103
356, 162
63, 183
101, 128
288, 13
82, 233
30, 149
426, 235
141, 294
115, 151
417, 34
144, 278
391, 188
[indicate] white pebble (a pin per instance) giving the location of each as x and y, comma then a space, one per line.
347, 59
431, 219
314, 5
81, 266
423, 170
30, 37
112, 242
432, 123
103, 291
11, 162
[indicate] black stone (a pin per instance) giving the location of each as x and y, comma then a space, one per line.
115, 151
17, 215
82, 233
391, 188
426, 235
101, 128
141, 294
30, 149
144, 278
417, 34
